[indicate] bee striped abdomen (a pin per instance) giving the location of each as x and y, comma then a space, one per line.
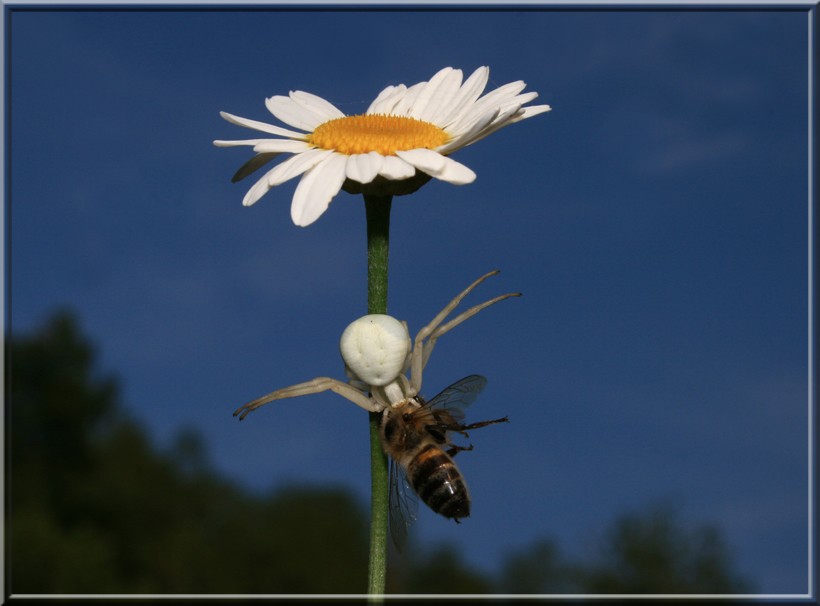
439, 483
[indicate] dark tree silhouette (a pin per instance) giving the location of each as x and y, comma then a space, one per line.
95, 507
538, 569
651, 552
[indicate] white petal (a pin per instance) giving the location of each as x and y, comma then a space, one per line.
533, 110
525, 98
482, 128
259, 189
262, 126
466, 96
220, 143
503, 118
291, 112
448, 94
499, 122
455, 173
364, 167
386, 93
317, 105
396, 169
468, 123
440, 167
281, 145
252, 165
511, 89
517, 102
317, 188
438, 91
450, 87
406, 102
387, 99
491, 100
295, 166
511, 116
473, 130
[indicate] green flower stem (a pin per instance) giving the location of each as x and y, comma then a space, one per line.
377, 209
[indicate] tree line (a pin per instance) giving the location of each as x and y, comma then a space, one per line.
96, 507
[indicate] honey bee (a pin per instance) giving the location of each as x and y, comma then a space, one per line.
416, 436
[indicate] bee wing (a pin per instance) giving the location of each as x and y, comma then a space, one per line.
404, 505
459, 395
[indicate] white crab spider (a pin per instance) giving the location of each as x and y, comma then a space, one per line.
377, 353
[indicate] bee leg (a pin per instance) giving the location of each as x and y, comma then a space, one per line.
483, 424
454, 450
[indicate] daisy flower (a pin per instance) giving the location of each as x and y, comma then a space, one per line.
401, 141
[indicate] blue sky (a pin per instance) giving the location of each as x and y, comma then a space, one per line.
656, 221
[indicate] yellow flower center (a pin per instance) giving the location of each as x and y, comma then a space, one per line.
377, 132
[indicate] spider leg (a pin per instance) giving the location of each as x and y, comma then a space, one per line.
316, 385
420, 356
424, 332
444, 328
